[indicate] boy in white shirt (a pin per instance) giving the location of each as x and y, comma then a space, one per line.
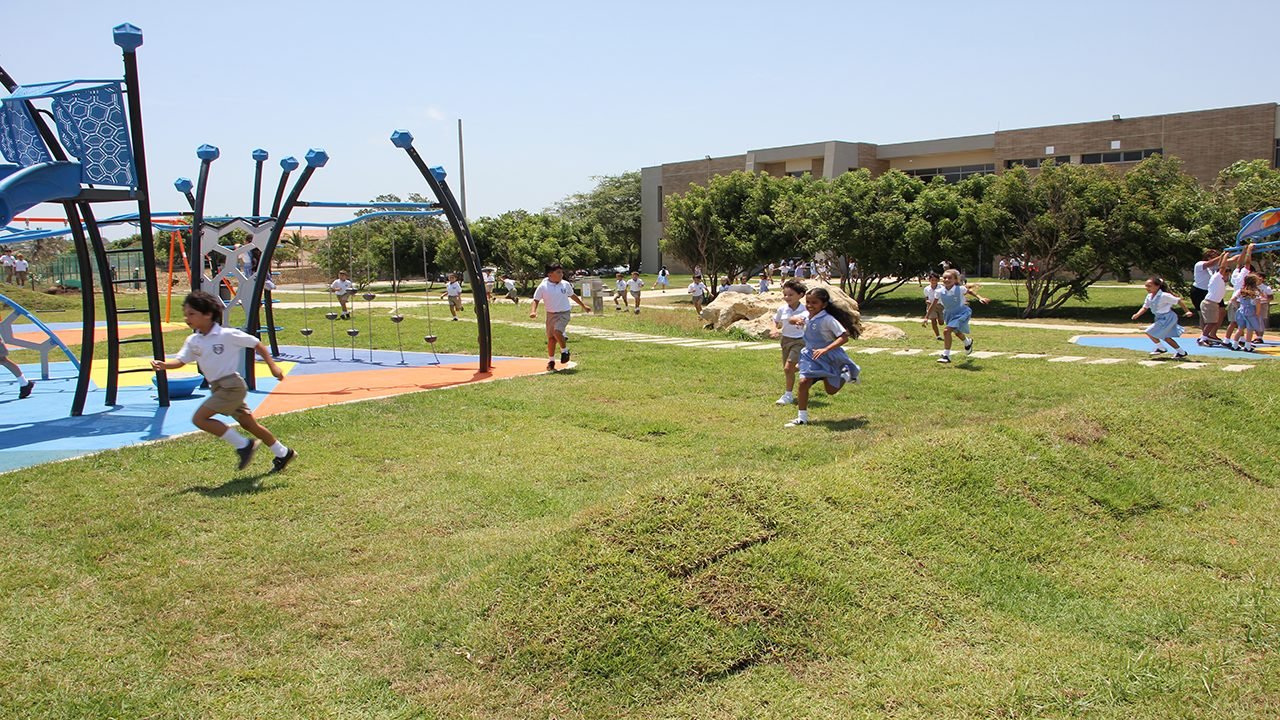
933, 304
488, 285
620, 293
559, 296
698, 291
20, 266
633, 287
216, 352
510, 285
1211, 305
792, 336
453, 291
343, 288
6, 262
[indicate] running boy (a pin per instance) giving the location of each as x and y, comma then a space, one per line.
633, 286
792, 337
698, 291
343, 288
510, 285
215, 350
620, 293
25, 386
559, 296
453, 291
933, 309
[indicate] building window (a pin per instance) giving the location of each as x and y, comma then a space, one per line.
952, 174
798, 173
1033, 163
1119, 157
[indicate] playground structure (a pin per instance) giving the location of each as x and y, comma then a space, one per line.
1256, 226
97, 156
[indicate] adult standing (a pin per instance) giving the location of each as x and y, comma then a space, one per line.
1201, 273
20, 266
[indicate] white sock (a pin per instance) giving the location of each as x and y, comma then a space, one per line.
235, 439
22, 379
804, 415
279, 450
946, 353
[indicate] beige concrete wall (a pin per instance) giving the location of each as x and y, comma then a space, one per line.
921, 162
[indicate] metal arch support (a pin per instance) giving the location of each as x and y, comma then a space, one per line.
259, 278
197, 220
467, 248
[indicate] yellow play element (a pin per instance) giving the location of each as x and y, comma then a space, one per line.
99, 375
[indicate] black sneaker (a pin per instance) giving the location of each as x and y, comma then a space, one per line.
944, 360
246, 454
24, 392
564, 357
551, 365
280, 463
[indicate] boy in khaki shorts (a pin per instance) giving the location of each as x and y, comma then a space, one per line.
559, 297
216, 351
792, 335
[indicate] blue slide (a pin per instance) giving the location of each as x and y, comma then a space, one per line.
42, 182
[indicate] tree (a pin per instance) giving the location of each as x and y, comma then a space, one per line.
1242, 188
525, 243
614, 206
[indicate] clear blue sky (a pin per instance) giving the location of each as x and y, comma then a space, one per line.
554, 93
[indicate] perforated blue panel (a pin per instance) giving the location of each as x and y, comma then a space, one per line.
19, 140
91, 124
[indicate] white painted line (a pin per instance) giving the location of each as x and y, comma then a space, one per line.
1105, 361
1236, 368
984, 354
721, 346
1192, 366
1067, 358
761, 346
1029, 356
908, 351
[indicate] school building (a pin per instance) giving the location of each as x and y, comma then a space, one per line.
1205, 140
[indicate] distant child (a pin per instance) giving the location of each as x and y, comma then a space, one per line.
1160, 302
1211, 311
453, 291
634, 286
698, 292
826, 330
510, 285
664, 278
1243, 268
1249, 316
620, 293
20, 266
215, 350
792, 337
343, 288
764, 283
559, 296
933, 305
1268, 296
25, 386
487, 275
6, 264
955, 312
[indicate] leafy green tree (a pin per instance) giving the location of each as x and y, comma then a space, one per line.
524, 243
614, 206
1242, 188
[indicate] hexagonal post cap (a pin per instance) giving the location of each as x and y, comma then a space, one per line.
183, 185
402, 139
208, 153
260, 155
316, 158
438, 173
127, 36
289, 164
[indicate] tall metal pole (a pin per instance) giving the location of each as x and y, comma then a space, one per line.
462, 171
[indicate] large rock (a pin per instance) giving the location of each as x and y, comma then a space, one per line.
753, 314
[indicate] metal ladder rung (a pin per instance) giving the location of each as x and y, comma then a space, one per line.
135, 370
135, 340
118, 251
133, 311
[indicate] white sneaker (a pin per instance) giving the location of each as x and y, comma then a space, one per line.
796, 423
1249, 347
1159, 351
786, 399
968, 346
846, 374
1180, 355
945, 360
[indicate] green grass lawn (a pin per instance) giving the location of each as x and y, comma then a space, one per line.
641, 538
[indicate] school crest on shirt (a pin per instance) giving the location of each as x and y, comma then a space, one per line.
218, 348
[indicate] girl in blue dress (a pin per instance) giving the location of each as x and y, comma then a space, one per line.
826, 330
1165, 328
1248, 318
955, 313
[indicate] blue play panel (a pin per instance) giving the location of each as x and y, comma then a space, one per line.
1143, 344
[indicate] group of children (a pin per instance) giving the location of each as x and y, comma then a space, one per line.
1246, 312
622, 288
15, 267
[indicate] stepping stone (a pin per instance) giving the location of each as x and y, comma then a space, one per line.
871, 351
1151, 363
1066, 359
721, 346
1029, 356
1192, 366
1236, 368
908, 351
1105, 361
761, 346
984, 354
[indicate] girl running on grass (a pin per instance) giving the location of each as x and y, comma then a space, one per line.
955, 313
1160, 301
826, 330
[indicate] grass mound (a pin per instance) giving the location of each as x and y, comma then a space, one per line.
38, 302
1001, 569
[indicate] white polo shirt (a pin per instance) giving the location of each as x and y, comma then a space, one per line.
1160, 302
453, 289
6, 260
343, 287
1237, 281
1200, 274
217, 353
555, 295
1216, 288
932, 293
697, 289
784, 315
20, 265
635, 285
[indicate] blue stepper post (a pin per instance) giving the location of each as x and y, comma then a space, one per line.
260, 155
402, 139
127, 36
183, 185
438, 173
208, 152
289, 164
316, 158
